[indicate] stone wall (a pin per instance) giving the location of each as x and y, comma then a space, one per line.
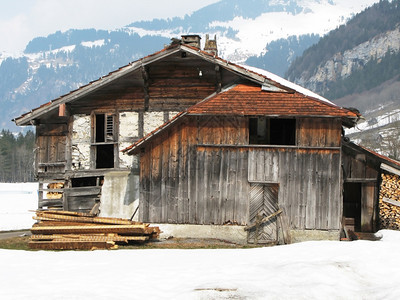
128, 134
80, 141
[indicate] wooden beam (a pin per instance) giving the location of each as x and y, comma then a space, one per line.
141, 124
62, 110
390, 169
361, 180
264, 220
145, 75
218, 77
390, 201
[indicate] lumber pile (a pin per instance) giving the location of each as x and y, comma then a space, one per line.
60, 230
389, 202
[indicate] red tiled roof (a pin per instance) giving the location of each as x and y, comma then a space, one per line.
387, 159
252, 100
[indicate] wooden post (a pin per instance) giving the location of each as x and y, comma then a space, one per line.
145, 76
62, 112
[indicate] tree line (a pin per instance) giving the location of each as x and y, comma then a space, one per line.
16, 156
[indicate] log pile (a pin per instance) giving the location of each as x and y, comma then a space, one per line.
389, 202
55, 186
60, 230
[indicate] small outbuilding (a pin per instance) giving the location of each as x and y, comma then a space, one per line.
245, 154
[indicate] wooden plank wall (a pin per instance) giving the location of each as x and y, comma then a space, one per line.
364, 169
172, 85
51, 143
357, 166
185, 183
319, 132
310, 187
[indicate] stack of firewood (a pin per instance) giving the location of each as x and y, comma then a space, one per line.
389, 202
72, 230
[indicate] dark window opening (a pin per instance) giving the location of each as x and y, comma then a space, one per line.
104, 156
87, 181
268, 131
100, 128
104, 140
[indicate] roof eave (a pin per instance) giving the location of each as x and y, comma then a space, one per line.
91, 87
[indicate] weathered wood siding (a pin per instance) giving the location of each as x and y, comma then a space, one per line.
200, 172
214, 130
319, 132
362, 171
170, 85
182, 182
356, 167
51, 148
309, 183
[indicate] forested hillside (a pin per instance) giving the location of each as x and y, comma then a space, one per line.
379, 18
16, 156
374, 73
281, 53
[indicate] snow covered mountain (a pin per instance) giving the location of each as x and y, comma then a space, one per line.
60, 62
245, 27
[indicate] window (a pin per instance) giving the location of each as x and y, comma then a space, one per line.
104, 128
104, 141
272, 131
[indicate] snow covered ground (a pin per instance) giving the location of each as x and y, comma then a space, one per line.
309, 270
16, 201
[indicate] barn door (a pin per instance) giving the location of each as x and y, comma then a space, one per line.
263, 203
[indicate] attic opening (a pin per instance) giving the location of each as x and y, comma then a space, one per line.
272, 131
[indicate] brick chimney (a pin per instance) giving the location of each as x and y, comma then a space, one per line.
191, 40
211, 45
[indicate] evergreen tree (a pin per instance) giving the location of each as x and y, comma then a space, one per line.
16, 156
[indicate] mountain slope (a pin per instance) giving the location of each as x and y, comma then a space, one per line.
281, 53
61, 62
358, 65
244, 27
369, 35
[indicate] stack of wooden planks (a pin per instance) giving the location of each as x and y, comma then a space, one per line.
389, 202
59, 230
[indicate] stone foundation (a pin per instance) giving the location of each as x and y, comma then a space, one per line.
314, 235
235, 234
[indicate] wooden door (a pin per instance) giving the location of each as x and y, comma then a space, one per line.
263, 203
368, 207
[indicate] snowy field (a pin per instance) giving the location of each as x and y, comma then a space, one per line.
310, 270
16, 201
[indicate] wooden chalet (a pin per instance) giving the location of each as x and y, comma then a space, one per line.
184, 137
